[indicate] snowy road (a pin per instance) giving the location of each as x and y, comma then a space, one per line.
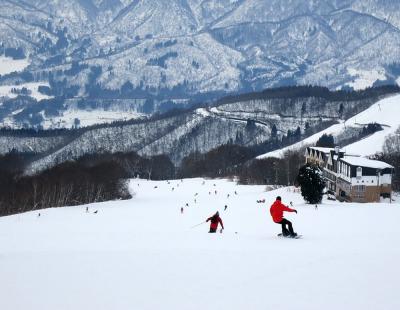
142, 253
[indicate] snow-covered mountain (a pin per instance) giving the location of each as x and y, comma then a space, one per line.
181, 48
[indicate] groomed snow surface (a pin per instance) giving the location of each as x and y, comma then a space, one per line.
143, 254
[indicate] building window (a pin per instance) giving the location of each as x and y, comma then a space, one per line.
359, 191
359, 172
359, 188
359, 195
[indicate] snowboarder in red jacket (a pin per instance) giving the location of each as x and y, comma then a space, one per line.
215, 220
276, 211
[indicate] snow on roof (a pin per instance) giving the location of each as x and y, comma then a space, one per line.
365, 162
322, 149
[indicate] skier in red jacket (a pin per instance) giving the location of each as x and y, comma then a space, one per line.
215, 220
276, 211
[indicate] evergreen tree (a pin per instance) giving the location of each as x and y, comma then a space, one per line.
307, 128
297, 133
311, 183
341, 110
274, 132
326, 141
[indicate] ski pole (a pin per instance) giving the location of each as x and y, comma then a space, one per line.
198, 224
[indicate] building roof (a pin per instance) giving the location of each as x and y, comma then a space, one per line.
365, 162
322, 149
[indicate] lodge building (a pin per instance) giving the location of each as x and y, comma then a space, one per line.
352, 177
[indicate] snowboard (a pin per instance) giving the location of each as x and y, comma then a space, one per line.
297, 237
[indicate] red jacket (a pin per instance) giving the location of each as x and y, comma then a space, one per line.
277, 209
215, 220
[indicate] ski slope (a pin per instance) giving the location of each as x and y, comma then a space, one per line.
385, 112
143, 254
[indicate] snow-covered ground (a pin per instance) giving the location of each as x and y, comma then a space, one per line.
66, 119
8, 65
5, 90
385, 112
143, 254
365, 78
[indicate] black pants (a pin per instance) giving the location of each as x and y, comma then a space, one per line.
286, 231
212, 230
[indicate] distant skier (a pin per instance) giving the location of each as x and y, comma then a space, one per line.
181, 210
276, 211
215, 220
226, 207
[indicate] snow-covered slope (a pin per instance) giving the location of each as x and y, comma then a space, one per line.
6, 90
8, 65
385, 112
143, 254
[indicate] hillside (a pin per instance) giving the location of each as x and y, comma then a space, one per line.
384, 112
184, 51
143, 253
258, 120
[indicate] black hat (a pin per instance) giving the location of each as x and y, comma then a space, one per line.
279, 198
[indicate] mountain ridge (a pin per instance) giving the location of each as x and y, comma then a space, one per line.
185, 49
